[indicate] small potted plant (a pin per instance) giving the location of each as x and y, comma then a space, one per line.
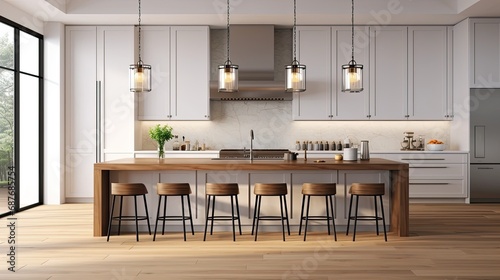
161, 134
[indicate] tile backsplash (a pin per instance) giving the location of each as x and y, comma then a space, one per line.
273, 126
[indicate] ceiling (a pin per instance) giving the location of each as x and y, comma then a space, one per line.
275, 12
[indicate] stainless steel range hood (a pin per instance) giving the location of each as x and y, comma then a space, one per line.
252, 49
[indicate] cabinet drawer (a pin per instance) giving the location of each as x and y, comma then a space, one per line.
443, 171
436, 188
423, 157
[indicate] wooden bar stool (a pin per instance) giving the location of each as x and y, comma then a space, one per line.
173, 189
364, 189
278, 189
128, 189
213, 190
328, 190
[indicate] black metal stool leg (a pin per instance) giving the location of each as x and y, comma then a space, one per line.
333, 218
327, 215
164, 215
258, 199
254, 214
136, 221
349, 216
301, 213
376, 213
238, 213
157, 216
147, 213
307, 216
183, 215
355, 218
213, 214
111, 217
286, 215
282, 218
383, 218
120, 217
232, 218
190, 214
206, 218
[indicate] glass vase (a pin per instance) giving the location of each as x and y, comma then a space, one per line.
161, 151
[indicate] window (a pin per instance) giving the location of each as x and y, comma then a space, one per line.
21, 118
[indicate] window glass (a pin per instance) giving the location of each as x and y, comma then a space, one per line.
28, 53
6, 46
6, 134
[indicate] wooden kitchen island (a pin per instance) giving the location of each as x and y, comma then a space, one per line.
398, 178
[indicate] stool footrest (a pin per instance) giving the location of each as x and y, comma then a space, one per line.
173, 218
130, 218
223, 218
318, 218
272, 218
366, 218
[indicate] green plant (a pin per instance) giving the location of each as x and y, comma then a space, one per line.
161, 133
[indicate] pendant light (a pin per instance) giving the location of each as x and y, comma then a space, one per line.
140, 73
295, 73
352, 73
228, 73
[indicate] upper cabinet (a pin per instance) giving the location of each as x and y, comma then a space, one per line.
406, 76
179, 57
485, 52
324, 50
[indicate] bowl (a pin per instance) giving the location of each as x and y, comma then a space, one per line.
435, 147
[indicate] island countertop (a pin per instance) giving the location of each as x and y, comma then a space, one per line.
399, 179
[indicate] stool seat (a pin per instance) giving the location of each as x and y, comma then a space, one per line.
328, 190
212, 190
128, 189
270, 189
173, 189
366, 189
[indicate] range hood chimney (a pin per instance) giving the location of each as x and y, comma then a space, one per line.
252, 49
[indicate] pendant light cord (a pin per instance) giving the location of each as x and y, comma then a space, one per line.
227, 34
294, 31
140, 60
352, 32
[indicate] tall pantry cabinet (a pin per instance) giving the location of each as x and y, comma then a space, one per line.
99, 105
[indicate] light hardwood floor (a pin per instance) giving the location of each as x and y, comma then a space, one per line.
446, 242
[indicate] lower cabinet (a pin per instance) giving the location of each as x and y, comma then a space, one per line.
438, 177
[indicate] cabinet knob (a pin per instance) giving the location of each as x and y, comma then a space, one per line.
407, 116
446, 116
368, 116
207, 116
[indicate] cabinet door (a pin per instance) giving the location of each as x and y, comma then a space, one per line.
155, 45
314, 51
485, 53
350, 106
427, 72
81, 99
388, 68
115, 53
190, 86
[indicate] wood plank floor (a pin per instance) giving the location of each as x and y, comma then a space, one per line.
446, 242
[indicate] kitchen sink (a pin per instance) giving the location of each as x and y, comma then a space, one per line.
258, 154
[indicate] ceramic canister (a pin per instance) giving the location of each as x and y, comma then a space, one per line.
351, 154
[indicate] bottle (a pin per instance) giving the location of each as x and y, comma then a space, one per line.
188, 145
326, 147
316, 146
334, 147
297, 145
176, 145
304, 145
321, 147
339, 146
310, 146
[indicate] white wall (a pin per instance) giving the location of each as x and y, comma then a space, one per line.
34, 23
54, 113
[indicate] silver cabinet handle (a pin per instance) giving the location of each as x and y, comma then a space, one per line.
428, 167
485, 168
422, 159
429, 183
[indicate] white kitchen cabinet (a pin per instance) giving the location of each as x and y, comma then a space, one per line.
389, 73
437, 177
484, 52
314, 51
345, 105
324, 50
99, 106
180, 61
428, 72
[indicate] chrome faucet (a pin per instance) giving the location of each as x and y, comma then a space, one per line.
251, 144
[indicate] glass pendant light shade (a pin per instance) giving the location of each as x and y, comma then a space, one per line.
352, 77
140, 77
295, 77
228, 77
